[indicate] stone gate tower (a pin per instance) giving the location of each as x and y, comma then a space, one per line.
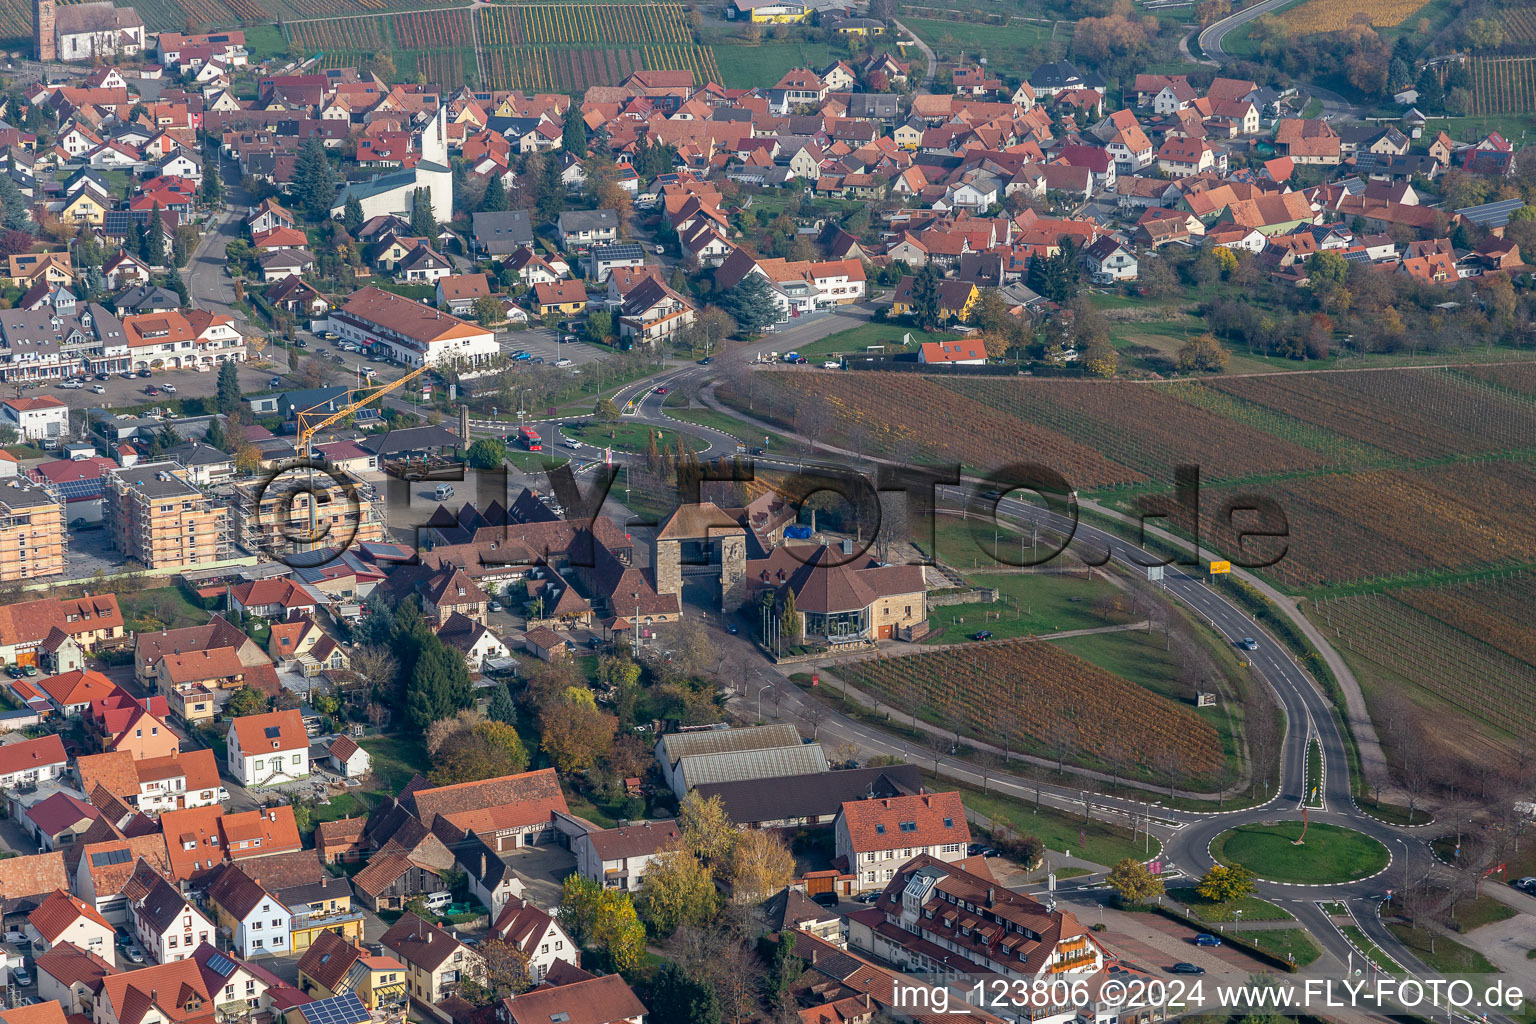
43, 39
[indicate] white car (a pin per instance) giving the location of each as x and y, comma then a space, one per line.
573, 444
169, 389
98, 389
831, 364
71, 385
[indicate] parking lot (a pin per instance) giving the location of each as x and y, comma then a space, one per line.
542, 344
119, 393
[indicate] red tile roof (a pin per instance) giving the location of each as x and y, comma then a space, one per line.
273, 731
29, 754
59, 911
900, 822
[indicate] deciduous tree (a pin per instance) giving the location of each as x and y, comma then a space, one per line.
677, 889
1133, 883
707, 831
759, 866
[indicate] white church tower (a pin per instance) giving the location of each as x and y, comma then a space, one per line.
433, 172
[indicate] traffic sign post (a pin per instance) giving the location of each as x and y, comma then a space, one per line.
1220, 567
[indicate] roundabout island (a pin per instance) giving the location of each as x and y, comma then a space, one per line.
1328, 855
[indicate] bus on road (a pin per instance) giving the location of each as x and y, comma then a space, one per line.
530, 439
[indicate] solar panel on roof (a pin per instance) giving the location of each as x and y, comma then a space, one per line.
343, 1009
273, 732
222, 964
109, 857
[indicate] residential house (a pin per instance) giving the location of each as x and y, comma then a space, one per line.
32, 761
960, 352
164, 922
256, 921
1108, 261
434, 959
587, 1000
458, 293
70, 978
616, 858
537, 936
956, 299
580, 229
66, 919
332, 966
267, 749
565, 298
873, 838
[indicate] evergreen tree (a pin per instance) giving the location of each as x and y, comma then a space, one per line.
677, 998
136, 239
925, 296
352, 215
789, 621
15, 210
228, 388
501, 708
550, 189
439, 685
213, 186
423, 223
377, 624
574, 139
750, 304
214, 435
495, 198
154, 238
314, 179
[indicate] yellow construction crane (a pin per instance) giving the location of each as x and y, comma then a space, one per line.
374, 393
371, 393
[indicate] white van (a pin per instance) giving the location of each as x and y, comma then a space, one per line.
437, 902
443, 491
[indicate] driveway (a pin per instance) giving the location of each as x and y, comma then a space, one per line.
543, 868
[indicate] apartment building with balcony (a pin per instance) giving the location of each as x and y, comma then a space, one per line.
274, 518
31, 531
158, 518
953, 925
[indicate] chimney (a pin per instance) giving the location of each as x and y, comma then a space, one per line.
991, 895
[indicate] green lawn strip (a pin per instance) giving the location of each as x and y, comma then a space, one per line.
748, 434
1107, 844
1285, 941
628, 436
535, 462
1329, 854
1252, 908
1440, 952
1029, 604
1314, 791
1363, 943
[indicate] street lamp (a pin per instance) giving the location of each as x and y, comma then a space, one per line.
760, 689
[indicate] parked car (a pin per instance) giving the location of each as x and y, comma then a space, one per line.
1526, 884
169, 389
103, 376
98, 389
831, 364
14, 671
1207, 939
22, 975
275, 382
495, 606
868, 897
151, 390
439, 901
1183, 968
144, 373
72, 385
563, 363
706, 360
134, 954
982, 634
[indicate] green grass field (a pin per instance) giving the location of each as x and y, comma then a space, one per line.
1292, 942
1008, 49
1107, 844
1330, 853
751, 436
1253, 908
626, 436
744, 66
1363, 943
1030, 604
395, 760
855, 340
1441, 952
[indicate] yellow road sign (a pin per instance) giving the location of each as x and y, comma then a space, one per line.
1223, 566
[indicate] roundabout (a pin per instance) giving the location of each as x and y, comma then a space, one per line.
1329, 854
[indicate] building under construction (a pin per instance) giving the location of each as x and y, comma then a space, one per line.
31, 531
159, 518
274, 518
